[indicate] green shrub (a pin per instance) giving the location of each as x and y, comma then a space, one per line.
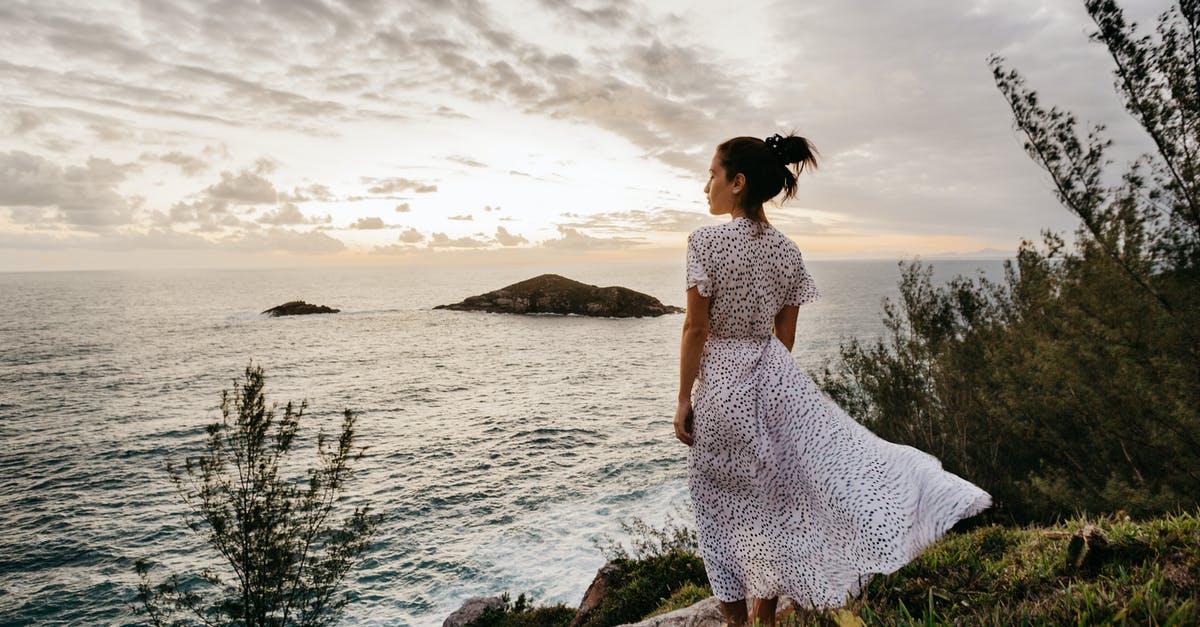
645, 584
283, 551
687, 595
1072, 385
522, 613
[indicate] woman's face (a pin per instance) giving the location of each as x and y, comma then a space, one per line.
722, 193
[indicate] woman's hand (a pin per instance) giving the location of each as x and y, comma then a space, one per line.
683, 421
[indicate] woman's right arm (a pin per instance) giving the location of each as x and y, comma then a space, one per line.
691, 350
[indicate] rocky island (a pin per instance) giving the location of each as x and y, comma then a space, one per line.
299, 308
551, 293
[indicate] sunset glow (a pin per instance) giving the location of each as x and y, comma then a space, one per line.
185, 135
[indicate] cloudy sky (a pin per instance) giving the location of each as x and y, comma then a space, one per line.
315, 132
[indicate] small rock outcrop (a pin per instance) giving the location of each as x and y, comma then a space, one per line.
472, 609
551, 293
299, 308
596, 592
706, 613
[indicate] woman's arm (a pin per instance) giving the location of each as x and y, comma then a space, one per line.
691, 347
785, 325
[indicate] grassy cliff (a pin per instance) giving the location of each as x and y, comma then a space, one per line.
1109, 570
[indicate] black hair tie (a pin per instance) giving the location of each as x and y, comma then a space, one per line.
775, 143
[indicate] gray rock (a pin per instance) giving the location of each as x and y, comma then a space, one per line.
299, 308
472, 609
594, 596
551, 293
706, 613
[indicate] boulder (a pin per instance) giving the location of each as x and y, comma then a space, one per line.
707, 613
299, 308
596, 592
472, 609
551, 293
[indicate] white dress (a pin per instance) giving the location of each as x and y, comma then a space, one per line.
791, 495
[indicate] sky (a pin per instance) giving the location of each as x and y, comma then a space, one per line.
275, 133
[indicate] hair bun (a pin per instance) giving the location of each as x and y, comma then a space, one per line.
790, 149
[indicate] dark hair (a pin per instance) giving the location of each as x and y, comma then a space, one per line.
765, 166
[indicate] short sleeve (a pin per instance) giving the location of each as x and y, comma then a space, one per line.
697, 261
803, 289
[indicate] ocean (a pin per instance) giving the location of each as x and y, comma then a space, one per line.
500, 447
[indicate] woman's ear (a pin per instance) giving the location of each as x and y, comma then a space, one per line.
739, 182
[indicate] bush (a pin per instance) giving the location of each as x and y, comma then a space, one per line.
658, 564
523, 614
1073, 385
285, 557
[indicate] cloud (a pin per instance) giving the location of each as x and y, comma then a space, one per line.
288, 213
447, 112
188, 165
84, 196
246, 187
508, 239
464, 217
208, 214
151, 239
609, 15
411, 236
667, 220
467, 161
573, 239
23, 121
285, 240
313, 192
441, 240
368, 223
490, 208
915, 137
397, 185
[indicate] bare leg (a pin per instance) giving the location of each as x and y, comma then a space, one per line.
764, 611
735, 613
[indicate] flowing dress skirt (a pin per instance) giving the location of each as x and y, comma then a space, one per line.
791, 495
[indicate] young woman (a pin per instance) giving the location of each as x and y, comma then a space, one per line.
791, 495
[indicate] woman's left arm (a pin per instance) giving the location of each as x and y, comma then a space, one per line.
695, 333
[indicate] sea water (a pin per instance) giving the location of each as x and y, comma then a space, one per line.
500, 447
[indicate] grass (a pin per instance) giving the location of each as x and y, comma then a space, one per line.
1098, 571
1106, 571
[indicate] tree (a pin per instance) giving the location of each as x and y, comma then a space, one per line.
1073, 384
284, 554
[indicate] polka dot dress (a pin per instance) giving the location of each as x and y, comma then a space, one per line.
792, 496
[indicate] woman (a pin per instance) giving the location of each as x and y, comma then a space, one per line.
791, 495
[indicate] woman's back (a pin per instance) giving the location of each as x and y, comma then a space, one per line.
750, 272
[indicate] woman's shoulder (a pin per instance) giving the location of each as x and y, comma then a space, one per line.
702, 233
784, 241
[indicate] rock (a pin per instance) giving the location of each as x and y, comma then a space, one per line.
596, 592
299, 308
551, 293
706, 613
472, 609
1087, 548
